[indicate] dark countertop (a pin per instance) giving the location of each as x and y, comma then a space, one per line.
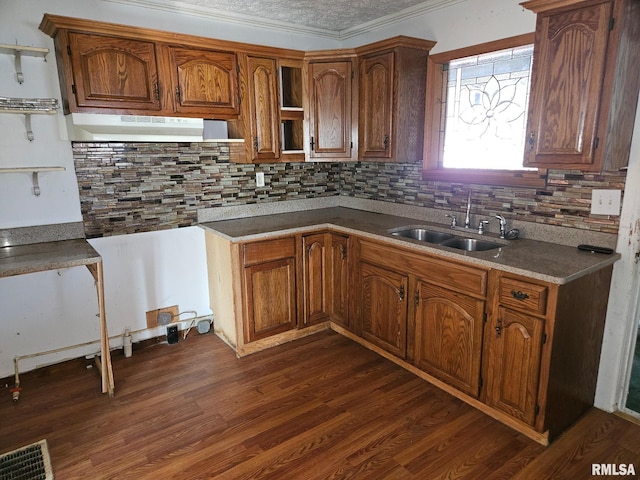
542, 260
38, 257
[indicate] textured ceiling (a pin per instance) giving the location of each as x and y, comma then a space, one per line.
334, 15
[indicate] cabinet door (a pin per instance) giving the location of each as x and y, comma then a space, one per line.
330, 110
263, 108
115, 73
205, 82
448, 342
567, 78
376, 105
316, 279
515, 347
384, 308
269, 298
339, 278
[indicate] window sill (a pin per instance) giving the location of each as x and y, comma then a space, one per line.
510, 178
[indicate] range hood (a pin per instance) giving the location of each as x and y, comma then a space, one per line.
141, 128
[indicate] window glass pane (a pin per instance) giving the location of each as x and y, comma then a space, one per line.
486, 109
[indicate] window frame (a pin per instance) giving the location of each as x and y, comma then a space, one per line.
435, 117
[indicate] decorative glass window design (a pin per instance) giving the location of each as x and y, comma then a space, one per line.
487, 98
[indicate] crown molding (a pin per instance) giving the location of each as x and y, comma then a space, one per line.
402, 15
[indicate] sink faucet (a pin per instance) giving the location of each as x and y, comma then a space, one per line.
467, 218
503, 225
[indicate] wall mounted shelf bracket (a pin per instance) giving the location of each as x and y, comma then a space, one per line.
34, 174
18, 51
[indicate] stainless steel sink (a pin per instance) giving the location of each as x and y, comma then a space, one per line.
470, 244
423, 235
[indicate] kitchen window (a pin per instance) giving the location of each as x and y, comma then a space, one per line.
477, 103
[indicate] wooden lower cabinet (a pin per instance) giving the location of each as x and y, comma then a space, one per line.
521, 349
339, 279
383, 299
542, 348
448, 336
269, 288
325, 279
515, 348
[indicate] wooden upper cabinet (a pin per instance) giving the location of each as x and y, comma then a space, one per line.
585, 82
330, 110
114, 73
392, 83
204, 81
263, 106
376, 105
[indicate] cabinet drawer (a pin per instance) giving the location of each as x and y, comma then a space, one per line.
523, 295
446, 273
268, 250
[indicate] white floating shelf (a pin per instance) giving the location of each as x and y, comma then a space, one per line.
34, 171
18, 51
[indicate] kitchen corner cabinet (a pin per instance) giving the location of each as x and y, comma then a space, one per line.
392, 99
585, 82
542, 348
325, 277
332, 119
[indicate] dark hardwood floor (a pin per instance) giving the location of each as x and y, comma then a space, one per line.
319, 408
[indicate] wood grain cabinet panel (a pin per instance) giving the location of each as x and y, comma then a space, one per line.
392, 85
340, 280
263, 108
448, 336
316, 279
204, 81
584, 84
111, 72
330, 107
515, 354
376, 105
383, 297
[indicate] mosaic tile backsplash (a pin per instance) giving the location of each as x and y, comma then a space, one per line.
138, 187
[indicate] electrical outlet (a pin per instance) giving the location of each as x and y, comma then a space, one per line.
259, 179
152, 315
605, 202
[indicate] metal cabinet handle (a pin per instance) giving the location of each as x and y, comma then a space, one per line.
519, 295
499, 327
401, 292
386, 142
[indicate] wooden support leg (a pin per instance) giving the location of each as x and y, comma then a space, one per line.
106, 370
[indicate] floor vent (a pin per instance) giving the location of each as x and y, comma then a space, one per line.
27, 463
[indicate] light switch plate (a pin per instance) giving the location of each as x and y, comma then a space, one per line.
605, 202
259, 179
